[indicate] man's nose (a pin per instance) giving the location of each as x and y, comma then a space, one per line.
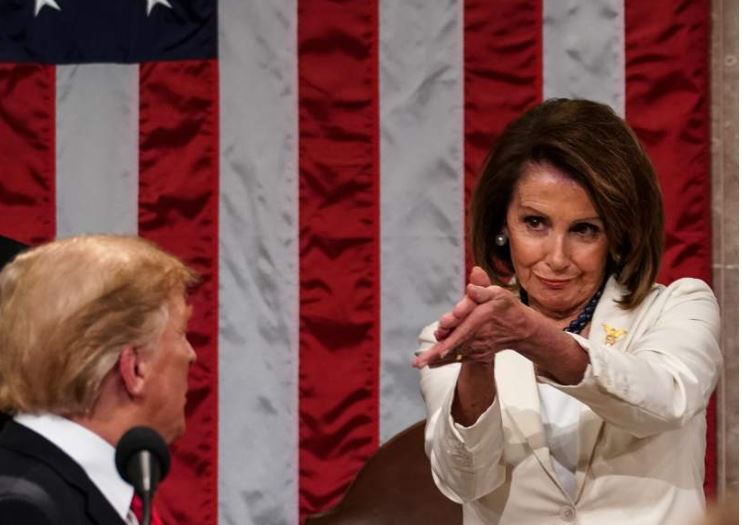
192, 354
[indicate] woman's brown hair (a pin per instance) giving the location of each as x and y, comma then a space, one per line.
591, 144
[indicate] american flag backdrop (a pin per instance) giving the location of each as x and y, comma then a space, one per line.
313, 160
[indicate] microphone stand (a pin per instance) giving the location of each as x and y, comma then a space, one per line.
146, 510
144, 464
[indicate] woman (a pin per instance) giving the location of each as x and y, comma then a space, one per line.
577, 387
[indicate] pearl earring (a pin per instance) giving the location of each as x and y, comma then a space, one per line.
501, 239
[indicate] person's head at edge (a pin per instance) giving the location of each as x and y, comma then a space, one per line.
92, 328
590, 147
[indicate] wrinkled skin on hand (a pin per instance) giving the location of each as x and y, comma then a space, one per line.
486, 320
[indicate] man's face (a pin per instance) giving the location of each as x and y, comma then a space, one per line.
169, 363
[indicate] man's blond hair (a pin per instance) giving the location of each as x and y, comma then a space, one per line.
68, 308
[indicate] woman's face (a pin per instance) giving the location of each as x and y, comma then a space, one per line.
557, 241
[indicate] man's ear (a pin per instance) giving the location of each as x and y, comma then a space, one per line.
130, 370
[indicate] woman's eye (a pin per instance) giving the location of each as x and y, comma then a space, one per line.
586, 229
534, 223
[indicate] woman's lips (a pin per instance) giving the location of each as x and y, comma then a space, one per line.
554, 284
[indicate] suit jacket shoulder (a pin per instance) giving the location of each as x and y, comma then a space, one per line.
41, 485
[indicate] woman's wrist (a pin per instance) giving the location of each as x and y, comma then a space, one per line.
475, 392
554, 352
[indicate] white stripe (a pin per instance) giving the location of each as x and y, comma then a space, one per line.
96, 148
421, 109
258, 267
584, 50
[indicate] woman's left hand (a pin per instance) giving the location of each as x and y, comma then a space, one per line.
464, 307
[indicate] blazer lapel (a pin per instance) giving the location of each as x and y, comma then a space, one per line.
101, 511
610, 327
519, 401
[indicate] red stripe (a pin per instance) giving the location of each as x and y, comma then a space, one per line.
27, 150
178, 209
339, 246
667, 104
502, 75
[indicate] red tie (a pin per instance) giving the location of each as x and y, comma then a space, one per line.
138, 510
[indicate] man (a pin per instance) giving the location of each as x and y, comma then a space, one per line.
92, 343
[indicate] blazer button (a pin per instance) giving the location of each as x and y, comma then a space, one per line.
567, 514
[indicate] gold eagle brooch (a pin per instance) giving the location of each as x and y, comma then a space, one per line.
612, 335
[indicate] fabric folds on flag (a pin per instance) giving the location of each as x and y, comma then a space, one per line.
313, 160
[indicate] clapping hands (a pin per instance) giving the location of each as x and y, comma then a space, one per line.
486, 320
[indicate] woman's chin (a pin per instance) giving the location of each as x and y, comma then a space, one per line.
554, 304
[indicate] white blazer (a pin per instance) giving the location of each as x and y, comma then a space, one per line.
641, 432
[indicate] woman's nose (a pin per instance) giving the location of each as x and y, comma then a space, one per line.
556, 256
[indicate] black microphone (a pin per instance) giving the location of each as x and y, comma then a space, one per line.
143, 460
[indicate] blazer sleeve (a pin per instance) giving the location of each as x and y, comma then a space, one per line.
466, 462
665, 376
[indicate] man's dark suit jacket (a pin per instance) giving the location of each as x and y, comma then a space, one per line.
41, 485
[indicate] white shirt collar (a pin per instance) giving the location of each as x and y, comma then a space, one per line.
95, 455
